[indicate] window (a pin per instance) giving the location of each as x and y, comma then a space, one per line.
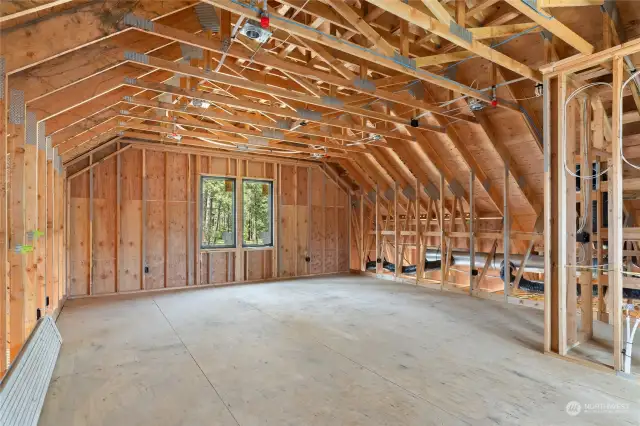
257, 213
218, 217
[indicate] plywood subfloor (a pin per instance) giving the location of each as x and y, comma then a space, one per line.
342, 350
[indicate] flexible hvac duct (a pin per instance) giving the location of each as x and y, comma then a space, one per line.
535, 263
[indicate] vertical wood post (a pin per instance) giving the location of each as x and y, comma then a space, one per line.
16, 141
378, 233
165, 216
118, 213
143, 227
570, 271
4, 240
363, 257
506, 232
396, 232
554, 321
91, 231
472, 237
196, 224
615, 226
443, 247
189, 227
586, 276
418, 239
40, 240
561, 213
30, 203
239, 261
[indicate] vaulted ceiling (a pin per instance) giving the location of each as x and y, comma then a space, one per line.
383, 91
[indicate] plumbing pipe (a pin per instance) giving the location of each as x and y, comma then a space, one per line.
631, 332
463, 258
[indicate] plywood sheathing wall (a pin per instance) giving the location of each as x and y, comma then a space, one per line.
315, 225
157, 217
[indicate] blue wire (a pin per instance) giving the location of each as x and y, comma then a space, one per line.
493, 46
548, 17
394, 59
364, 49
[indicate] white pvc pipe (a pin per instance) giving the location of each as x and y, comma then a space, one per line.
629, 343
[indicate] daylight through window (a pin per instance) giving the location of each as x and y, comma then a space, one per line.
218, 212
257, 212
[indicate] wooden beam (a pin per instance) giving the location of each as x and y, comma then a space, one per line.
30, 10
365, 54
247, 119
542, 4
45, 38
361, 25
5, 196
616, 224
438, 10
404, 11
553, 25
97, 163
263, 88
266, 59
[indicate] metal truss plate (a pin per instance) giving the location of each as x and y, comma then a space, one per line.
389, 194
272, 134
191, 52
309, 114
138, 22
409, 192
31, 129
16, 107
432, 191
136, 57
42, 138
332, 101
461, 32
2, 77
364, 84
208, 17
404, 61
456, 188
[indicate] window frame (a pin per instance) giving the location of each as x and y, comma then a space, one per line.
234, 213
270, 183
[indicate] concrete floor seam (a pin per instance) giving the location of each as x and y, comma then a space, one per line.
196, 362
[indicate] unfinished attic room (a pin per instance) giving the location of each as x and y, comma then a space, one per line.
319, 212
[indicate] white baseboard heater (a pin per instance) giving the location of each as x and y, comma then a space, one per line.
25, 385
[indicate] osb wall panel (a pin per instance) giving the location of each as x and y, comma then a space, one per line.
156, 244
311, 216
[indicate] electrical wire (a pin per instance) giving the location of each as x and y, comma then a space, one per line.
585, 189
564, 132
288, 36
493, 46
480, 93
633, 76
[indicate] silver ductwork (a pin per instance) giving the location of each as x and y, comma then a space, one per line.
463, 258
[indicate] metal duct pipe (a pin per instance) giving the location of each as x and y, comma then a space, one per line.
463, 258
